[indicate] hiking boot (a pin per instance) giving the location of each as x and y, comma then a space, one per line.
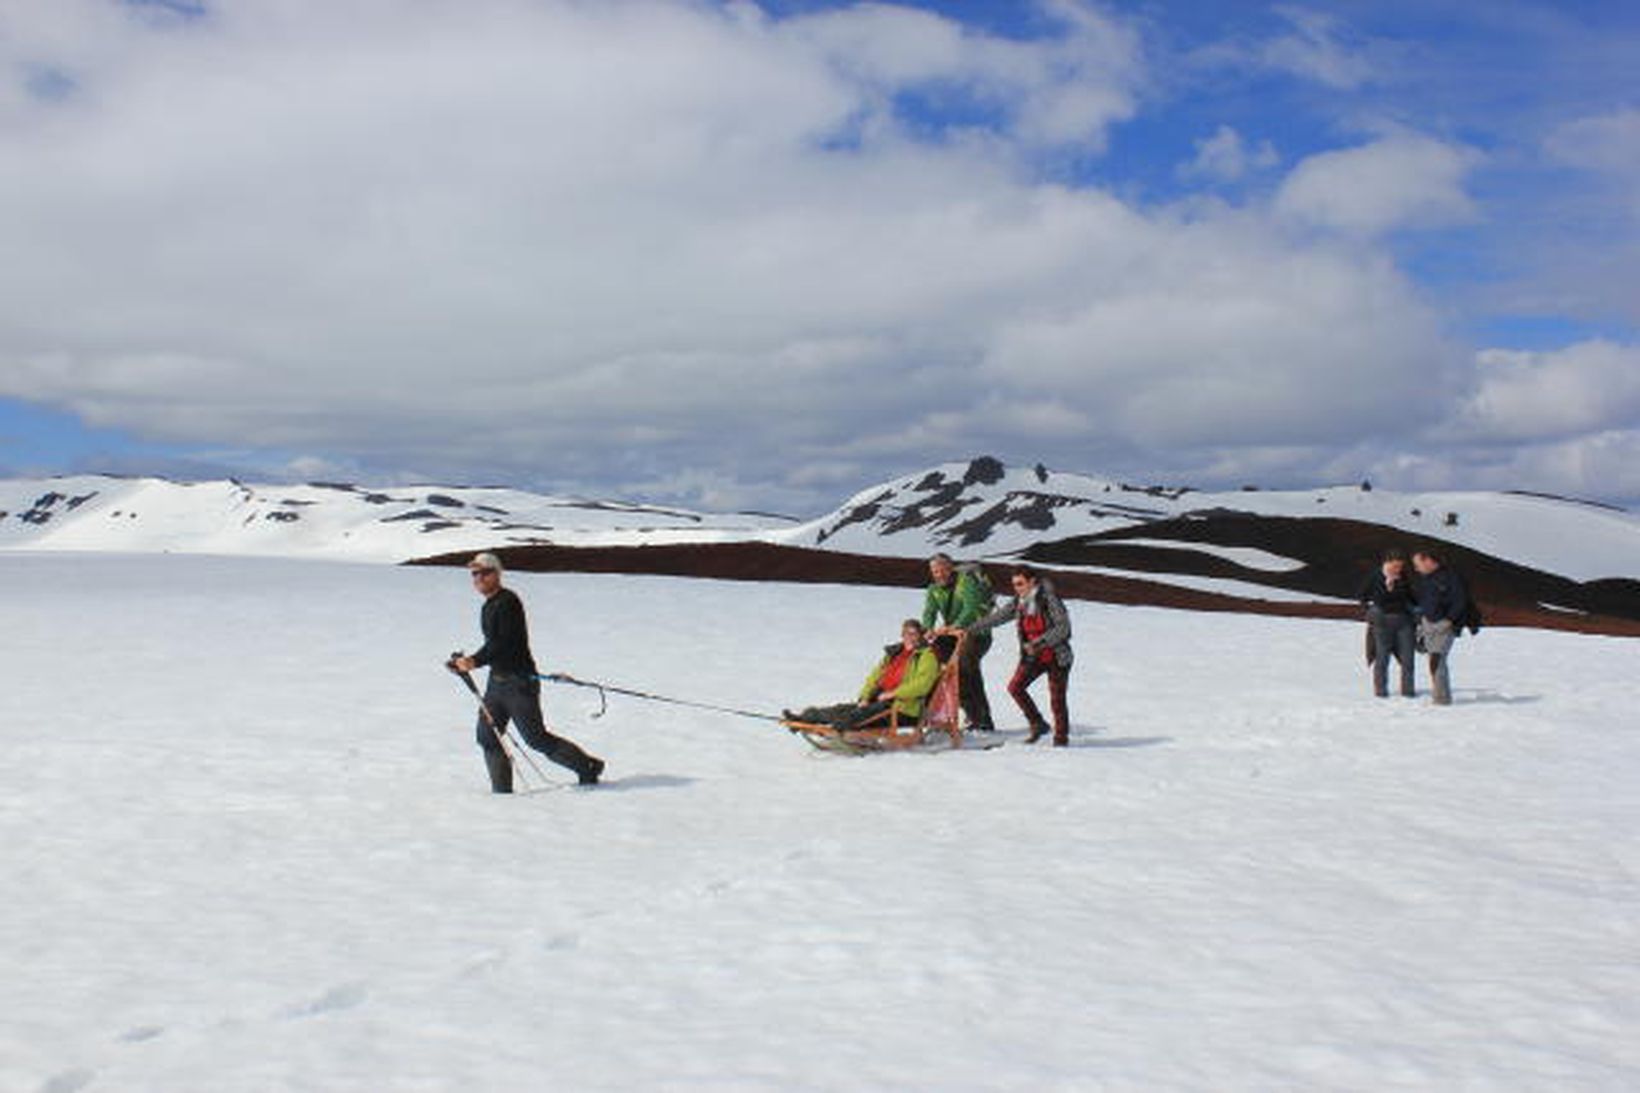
1038, 730
590, 774
987, 727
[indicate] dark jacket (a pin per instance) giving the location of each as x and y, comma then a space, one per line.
1057, 636
1400, 600
506, 636
1442, 595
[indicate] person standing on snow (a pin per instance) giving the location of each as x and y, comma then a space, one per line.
1390, 601
1443, 602
959, 598
514, 691
1044, 647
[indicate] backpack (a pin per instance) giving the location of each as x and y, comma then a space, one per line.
983, 579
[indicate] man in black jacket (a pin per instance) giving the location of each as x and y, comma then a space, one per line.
1443, 601
513, 693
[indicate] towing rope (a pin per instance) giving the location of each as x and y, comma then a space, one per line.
604, 689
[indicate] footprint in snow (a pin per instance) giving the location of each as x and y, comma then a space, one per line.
339, 998
69, 1081
140, 1033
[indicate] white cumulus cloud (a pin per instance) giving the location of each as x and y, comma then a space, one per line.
667, 246
1226, 157
1402, 180
1589, 387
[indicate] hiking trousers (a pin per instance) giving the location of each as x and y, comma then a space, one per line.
1438, 640
1393, 634
971, 682
848, 715
1027, 673
517, 700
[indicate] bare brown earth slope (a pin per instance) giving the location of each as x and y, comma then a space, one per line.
1336, 554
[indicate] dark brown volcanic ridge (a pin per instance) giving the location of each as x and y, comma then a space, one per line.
1337, 555
1510, 595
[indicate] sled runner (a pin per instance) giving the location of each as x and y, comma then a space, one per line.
939, 727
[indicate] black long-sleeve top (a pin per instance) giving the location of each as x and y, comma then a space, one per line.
506, 636
1399, 600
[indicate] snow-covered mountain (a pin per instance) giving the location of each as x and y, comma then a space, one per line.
1537, 557
329, 520
985, 509
1538, 560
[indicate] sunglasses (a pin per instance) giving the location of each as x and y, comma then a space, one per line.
481, 572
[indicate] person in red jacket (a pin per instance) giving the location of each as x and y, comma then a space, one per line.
1044, 648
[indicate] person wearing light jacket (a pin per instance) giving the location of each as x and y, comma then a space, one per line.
1044, 649
898, 686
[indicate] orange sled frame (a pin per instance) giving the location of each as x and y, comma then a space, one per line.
939, 727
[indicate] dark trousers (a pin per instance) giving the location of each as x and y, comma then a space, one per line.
847, 715
515, 700
1058, 676
1393, 635
971, 681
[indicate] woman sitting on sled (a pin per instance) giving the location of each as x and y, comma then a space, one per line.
895, 690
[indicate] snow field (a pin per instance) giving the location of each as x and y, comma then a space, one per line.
249, 845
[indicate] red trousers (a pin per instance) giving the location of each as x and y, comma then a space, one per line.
1025, 675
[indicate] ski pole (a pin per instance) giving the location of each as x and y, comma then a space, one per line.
603, 700
502, 736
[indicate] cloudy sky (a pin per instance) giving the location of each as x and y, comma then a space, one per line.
763, 254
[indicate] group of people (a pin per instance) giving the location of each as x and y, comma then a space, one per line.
1407, 613
959, 613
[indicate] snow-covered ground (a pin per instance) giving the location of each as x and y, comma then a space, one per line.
246, 844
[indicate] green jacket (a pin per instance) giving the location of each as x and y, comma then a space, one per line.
920, 677
963, 602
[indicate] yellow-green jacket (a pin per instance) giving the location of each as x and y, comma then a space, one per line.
920, 677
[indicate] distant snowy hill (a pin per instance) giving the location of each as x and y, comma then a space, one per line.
1539, 560
1532, 560
328, 520
985, 509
